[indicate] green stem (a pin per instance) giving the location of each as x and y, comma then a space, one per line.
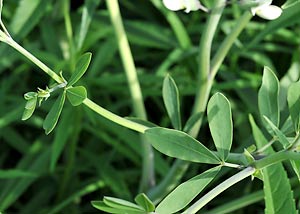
219, 189
33, 59
113, 117
228, 42
275, 158
148, 179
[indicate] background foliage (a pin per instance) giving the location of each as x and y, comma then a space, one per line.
87, 157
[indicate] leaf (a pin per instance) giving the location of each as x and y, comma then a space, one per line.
54, 113
15, 173
276, 182
220, 123
289, 3
293, 99
29, 108
103, 207
179, 145
296, 167
186, 192
268, 96
189, 125
27, 15
171, 101
121, 204
276, 132
81, 67
142, 200
76, 95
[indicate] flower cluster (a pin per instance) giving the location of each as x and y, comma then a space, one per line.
262, 8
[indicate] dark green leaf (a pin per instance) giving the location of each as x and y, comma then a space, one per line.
145, 202
53, 115
15, 173
293, 99
171, 100
186, 192
179, 145
81, 67
268, 96
220, 123
76, 95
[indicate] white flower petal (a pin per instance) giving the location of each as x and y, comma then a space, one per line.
174, 4
269, 12
260, 4
193, 5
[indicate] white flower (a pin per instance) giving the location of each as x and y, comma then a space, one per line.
265, 10
188, 5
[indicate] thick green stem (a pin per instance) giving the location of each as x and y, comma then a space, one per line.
275, 158
148, 179
219, 189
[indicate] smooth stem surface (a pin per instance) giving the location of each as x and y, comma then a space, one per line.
148, 179
275, 158
35, 60
113, 117
219, 189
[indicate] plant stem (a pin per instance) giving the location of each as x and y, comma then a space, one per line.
113, 117
275, 158
33, 59
219, 189
148, 179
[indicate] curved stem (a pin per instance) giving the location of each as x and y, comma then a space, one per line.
219, 189
148, 179
113, 117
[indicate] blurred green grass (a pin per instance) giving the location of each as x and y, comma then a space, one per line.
97, 156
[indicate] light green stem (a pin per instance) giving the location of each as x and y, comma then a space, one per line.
113, 117
275, 158
219, 189
148, 179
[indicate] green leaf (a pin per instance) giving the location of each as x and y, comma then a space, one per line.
289, 3
54, 113
296, 167
15, 173
81, 67
103, 207
142, 200
274, 189
76, 95
277, 133
121, 204
293, 99
27, 15
171, 100
29, 108
179, 145
220, 123
186, 192
268, 97
189, 125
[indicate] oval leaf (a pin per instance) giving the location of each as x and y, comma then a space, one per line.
171, 101
179, 145
293, 98
29, 108
76, 95
268, 96
53, 115
145, 202
220, 123
81, 67
186, 192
